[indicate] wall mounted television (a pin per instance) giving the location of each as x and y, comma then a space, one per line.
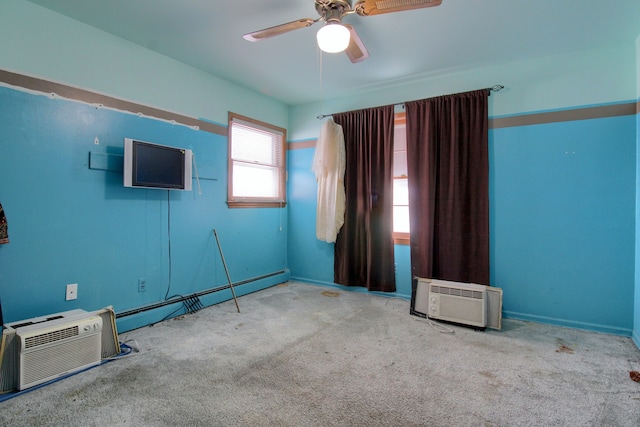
149, 165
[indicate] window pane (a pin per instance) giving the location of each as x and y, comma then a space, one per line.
254, 145
400, 150
401, 191
251, 181
399, 137
400, 163
401, 219
400, 185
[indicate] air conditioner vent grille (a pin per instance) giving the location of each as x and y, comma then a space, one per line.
456, 292
50, 337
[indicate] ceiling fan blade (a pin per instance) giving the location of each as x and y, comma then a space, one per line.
377, 7
279, 29
356, 50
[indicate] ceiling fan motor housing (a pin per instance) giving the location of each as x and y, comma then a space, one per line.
333, 10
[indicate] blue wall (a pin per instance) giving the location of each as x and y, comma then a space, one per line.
72, 221
311, 260
562, 221
562, 200
636, 323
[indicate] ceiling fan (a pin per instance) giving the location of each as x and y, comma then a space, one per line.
332, 12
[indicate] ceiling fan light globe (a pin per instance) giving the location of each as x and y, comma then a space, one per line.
333, 38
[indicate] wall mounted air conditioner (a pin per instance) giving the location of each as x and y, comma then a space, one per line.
464, 303
56, 346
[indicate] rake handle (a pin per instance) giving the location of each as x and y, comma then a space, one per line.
226, 270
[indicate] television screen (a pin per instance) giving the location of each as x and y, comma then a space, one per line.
149, 165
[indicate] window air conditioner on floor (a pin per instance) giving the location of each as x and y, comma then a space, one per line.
41, 349
464, 303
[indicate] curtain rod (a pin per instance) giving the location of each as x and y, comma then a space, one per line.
494, 88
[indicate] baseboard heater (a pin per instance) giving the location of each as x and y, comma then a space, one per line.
194, 295
469, 304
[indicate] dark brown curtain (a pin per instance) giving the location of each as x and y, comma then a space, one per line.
364, 248
4, 228
448, 173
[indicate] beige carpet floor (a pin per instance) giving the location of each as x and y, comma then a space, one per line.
304, 355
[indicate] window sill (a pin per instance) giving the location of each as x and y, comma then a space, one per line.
401, 238
255, 204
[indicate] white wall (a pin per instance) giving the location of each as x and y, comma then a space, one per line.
40, 43
537, 84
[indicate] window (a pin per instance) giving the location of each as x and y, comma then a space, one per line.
256, 163
400, 182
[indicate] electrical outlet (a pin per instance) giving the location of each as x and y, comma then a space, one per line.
142, 284
72, 291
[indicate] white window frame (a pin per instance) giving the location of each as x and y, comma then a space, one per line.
277, 164
400, 156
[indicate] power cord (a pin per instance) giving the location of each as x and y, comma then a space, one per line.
126, 350
169, 240
438, 327
192, 304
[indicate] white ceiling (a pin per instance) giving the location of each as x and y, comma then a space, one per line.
207, 34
